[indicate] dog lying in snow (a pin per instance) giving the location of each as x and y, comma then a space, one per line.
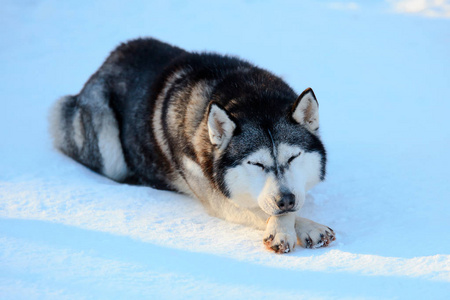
214, 127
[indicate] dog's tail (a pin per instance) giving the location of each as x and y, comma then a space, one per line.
88, 133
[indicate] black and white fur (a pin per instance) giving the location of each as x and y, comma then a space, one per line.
215, 127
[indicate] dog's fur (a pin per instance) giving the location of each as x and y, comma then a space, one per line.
215, 127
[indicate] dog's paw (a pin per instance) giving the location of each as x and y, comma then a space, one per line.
313, 235
280, 235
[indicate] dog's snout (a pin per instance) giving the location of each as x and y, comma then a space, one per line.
286, 202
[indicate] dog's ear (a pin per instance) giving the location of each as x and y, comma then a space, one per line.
306, 110
220, 126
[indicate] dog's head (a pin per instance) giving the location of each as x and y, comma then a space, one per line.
267, 151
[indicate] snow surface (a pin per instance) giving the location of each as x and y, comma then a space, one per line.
383, 83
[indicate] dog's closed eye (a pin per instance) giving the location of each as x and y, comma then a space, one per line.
257, 164
293, 157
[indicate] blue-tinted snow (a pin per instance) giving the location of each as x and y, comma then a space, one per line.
383, 83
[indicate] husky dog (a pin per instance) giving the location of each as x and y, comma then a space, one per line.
215, 127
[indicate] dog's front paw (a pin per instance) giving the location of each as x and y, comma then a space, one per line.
313, 235
280, 234
280, 242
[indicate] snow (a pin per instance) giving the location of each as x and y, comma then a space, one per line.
382, 81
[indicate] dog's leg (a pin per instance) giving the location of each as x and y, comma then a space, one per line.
228, 211
313, 235
280, 233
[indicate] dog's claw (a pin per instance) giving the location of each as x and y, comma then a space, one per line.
281, 248
269, 238
309, 242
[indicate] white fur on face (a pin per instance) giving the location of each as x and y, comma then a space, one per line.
250, 185
302, 173
286, 151
268, 196
246, 181
261, 156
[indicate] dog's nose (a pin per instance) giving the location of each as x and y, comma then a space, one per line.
286, 202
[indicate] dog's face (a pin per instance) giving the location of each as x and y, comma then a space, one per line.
275, 179
270, 164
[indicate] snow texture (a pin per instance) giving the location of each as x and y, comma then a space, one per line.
383, 83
